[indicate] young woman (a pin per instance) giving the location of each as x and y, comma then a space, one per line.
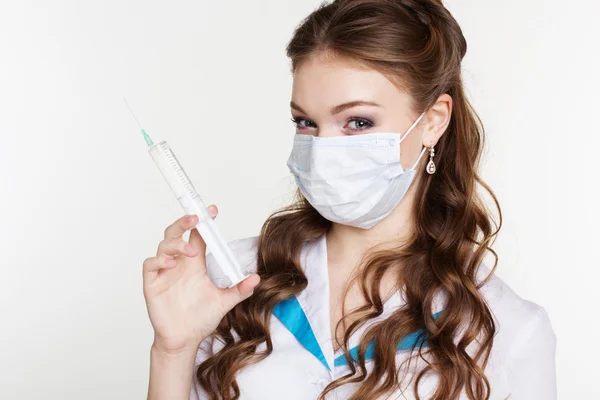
371, 285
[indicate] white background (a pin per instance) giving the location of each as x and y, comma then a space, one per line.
83, 204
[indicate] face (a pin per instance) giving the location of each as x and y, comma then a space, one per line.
335, 97
328, 96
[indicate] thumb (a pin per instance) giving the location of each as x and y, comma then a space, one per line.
240, 292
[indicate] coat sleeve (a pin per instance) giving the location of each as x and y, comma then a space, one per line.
205, 350
532, 364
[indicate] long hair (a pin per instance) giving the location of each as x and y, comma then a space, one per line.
419, 46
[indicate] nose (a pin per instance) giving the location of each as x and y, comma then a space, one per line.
328, 132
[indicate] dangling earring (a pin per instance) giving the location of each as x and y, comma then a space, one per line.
430, 164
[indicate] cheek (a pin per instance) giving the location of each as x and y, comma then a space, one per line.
410, 149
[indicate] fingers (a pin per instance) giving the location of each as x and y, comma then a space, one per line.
197, 241
195, 238
179, 227
240, 292
173, 244
213, 211
173, 247
154, 264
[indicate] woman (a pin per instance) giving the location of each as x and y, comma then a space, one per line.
372, 284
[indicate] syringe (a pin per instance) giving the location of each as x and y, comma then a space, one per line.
229, 272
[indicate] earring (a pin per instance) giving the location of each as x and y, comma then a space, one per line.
430, 164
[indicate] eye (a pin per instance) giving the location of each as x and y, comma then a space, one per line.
298, 122
358, 124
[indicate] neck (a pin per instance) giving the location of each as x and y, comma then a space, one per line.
346, 245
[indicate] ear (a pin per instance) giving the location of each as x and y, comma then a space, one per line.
438, 119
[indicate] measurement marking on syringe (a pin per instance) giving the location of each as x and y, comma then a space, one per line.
188, 187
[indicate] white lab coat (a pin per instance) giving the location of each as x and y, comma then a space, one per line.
522, 361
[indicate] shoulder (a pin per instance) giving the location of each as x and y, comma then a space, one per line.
522, 325
524, 348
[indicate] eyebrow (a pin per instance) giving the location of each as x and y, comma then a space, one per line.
340, 107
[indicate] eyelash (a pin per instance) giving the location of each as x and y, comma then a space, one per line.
369, 123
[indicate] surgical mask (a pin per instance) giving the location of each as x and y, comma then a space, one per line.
353, 180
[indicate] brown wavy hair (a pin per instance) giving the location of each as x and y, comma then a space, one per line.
419, 46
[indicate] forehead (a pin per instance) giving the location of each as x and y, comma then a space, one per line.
321, 80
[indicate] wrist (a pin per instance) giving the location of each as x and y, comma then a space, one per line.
159, 349
171, 372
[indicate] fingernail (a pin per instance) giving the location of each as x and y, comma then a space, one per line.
212, 213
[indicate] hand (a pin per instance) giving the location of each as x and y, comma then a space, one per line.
184, 305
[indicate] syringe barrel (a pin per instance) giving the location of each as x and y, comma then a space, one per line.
176, 177
229, 272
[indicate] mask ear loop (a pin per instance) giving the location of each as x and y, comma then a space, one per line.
419, 158
412, 126
406, 134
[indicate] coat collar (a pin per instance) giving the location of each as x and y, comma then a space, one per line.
307, 315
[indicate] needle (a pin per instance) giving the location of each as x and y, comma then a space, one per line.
146, 137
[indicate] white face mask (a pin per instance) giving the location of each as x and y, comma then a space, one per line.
352, 180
